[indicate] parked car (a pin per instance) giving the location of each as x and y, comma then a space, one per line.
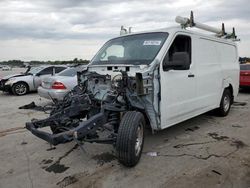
56, 87
6, 68
20, 84
244, 75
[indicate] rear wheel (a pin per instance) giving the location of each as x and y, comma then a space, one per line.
20, 88
130, 138
225, 104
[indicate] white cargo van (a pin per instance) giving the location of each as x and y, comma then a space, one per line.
159, 78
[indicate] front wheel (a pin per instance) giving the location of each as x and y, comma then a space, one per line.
225, 104
20, 88
130, 138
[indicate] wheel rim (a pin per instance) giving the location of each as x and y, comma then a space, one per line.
226, 103
139, 140
20, 89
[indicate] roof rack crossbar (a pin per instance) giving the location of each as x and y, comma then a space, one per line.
189, 22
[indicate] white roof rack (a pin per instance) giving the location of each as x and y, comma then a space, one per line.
189, 22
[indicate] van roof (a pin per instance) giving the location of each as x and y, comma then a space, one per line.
175, 29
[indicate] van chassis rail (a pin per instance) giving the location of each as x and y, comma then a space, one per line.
82, 118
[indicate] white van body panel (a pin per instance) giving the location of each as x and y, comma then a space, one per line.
215, 67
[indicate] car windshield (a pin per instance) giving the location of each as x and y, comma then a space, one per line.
71, 72
35, 70
132, 49
245, 67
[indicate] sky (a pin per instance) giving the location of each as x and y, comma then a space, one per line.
68, 29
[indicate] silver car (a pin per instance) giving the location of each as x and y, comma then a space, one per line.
56, 87
20, 84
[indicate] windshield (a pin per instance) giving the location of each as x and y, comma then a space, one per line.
71, 72
35, 70
132, 49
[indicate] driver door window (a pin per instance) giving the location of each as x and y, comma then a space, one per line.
181, 45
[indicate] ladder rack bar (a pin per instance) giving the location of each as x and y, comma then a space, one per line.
189, 22
186, 23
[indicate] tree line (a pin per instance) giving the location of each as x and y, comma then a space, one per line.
20, 63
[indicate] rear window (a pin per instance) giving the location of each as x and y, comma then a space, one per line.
245, 67
59, 69
71, 72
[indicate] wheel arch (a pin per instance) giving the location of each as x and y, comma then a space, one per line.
230, 87
28, 87
228, 84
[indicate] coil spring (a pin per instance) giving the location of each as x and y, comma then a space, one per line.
114, 119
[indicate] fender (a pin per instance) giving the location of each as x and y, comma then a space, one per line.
228, 82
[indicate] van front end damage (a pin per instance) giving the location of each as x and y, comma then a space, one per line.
99, 109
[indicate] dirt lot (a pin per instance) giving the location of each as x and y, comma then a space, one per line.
206, 151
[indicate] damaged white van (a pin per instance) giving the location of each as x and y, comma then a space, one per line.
156, 78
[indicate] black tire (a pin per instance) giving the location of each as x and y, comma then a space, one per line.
20, 88
130, 138
225, 103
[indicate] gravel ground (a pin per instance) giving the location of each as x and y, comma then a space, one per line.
205, 151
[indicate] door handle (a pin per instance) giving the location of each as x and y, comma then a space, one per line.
191, 75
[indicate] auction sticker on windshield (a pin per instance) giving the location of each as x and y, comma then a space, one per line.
152, 43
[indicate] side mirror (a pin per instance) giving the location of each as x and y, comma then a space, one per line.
181, 61
38, 74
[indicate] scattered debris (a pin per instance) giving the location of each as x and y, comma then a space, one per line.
216, 172
152, 154
237, 126
104, 158
24, 143
67, 181
217, 137
192, 128
239, 103
33, 106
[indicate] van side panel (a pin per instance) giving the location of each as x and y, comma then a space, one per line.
216, 67
230, 66
209, 73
